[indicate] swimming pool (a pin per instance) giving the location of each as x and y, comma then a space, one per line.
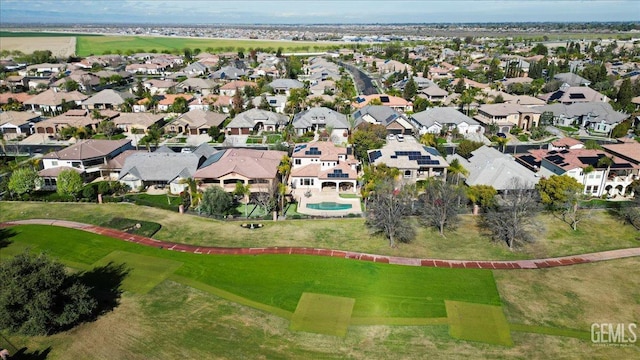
329, 206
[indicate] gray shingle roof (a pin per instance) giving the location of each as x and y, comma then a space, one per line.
383, 114
442, 115
250, 118
598, 111
160, 166
286, 84
320, 116
108, 96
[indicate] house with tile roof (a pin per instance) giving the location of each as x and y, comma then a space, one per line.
573, 94
195, 69
230, 88
322, 165
107, 99
195, 122
77, 118
415, 161
611, 180
394, 102
88, 157
200, 86
17, 123
256, 168
51, 101
168, 99
566, 143
256, 120
435, 120
219, 103
137, 123
507, 116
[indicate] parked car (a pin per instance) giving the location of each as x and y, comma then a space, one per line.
502, 135
400, 137
391, 137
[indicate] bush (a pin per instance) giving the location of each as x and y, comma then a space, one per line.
89, 192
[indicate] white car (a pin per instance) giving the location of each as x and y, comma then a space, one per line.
391, 137
400, 137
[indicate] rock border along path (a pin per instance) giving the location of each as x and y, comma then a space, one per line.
468, 264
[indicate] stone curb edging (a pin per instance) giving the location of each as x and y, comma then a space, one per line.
466, 264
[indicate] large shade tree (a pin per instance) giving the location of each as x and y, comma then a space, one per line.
215, 201
38, 297
388, 211
440, 204
69, 183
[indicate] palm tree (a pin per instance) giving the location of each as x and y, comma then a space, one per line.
502, 142
456, 169
244, 191
192, 188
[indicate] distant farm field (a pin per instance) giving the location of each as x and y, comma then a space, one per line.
63, 46
98, 45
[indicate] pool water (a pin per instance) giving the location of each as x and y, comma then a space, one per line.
329, 206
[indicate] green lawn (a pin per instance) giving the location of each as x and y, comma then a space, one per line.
553, 236
312, 316
101, 44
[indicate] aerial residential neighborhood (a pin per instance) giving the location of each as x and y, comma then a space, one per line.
312, 187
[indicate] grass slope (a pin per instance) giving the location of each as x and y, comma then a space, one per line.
100, 44
554, 238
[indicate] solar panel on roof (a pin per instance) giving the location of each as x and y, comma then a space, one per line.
384, 99
577, 96
375, 155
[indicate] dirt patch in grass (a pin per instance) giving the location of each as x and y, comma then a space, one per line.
63, 46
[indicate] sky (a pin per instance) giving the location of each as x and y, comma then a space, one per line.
314, 12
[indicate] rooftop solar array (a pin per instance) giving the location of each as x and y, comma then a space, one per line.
384, 99
337, 173
299, 147
416, 156
313, 151
374, 155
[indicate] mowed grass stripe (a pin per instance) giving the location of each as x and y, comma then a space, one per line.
145, 271
380, 290
478, 322
323, 314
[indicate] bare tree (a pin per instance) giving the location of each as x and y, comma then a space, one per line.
439, 204
388, 212
267, 197
573, 212
513, 219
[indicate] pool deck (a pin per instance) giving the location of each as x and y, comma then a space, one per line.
318, 196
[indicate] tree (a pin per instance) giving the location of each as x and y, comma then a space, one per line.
180, 105
192, 190
439, 204
154, 133
465, 147
513, 220
216, 201
388, 212
540, 49
482, 195
625, 94
23, 180
267, 197
108, 128
372, 175
621, 129
592, 144
555, 192
459, 87
69, 183
368, 137
70, 85
243, 191
456, 170
410, 89
39, 298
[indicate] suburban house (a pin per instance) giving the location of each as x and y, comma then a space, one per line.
7, 98
220, 103
438, 119
322, 118
195, 122
137, 123
107, 99
574, 94
158, 86
195, 69
603, 179
230, 88
111, 172
159, 169
17, 123
77, 118
566, 143
415, 161
596, 116
88, 157
322, 165
276, 102
148, 68
488, 166
256, 120
571, 79
395, 122
198, 86
43, 69
256, 168
323, 87
394, 102
508, 116
434, 94
284, 86
51, 101
228, 73
168, 99
86, 81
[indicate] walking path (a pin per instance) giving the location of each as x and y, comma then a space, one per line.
469, 264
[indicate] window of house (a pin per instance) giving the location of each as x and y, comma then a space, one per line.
407, 173
588, 189
297, 161
595, 189
54, 163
